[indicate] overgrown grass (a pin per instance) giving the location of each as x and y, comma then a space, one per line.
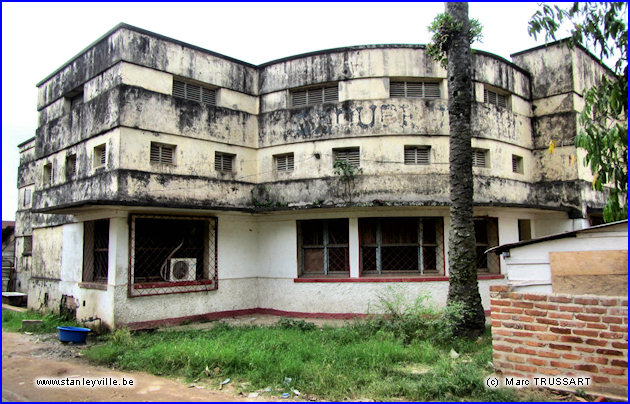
12, 321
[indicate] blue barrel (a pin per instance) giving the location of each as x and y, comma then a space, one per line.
73, 334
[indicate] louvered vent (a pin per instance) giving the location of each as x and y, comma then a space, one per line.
193, 92
284, 162
479, 158
313, 96
162, 153
517, 164
350, 155
492, 97
223, 161
100, 156
71, 166
414, 89
417, 155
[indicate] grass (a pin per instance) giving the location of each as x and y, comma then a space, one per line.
12, 321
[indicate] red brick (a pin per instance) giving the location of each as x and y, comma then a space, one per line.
522, 333
515, 296
548, 354
534, 344
513, 341
598, 326
564, 316
559, 330
495, 302
587, 317
600, 379
525, 351
547, 321
586, 368
537, 298
499, 331
497, 355
547, 337
499, 316
624, 302
619, 328
609, 319
586, 333
499, 288
546, 306
608, 301
609, 352
496, 323
524, 319
617, 380
610, 335
572, 309
535, 327
560, 299
586, 300
618, 311
525, 305
572, 324
615, 372
597, 359
620, 345
503, 348
511, 310
558, 364
585, 349
617, 362
560, 347
551, 372
523, 368
509, 324
571, 356
514, 358
570, 338
596, 342
537, 362
595, 310
535, 313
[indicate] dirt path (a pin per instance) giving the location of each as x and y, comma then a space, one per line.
28, 357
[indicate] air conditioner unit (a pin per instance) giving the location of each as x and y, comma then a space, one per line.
183, 269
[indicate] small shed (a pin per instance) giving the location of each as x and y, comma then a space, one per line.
587, 261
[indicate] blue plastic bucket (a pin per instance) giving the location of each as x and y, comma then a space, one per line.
73, 334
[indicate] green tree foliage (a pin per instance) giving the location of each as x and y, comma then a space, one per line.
603, 28
443, 28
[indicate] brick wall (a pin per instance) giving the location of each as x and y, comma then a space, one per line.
564, 335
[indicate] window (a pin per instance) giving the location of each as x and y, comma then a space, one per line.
517, 164
495, 98
162, 153
194, 92
323, 247
479, 158
350, 154
27, 246
171, 254
48, 174
487, 236
100, 156
416, 89
223, 161
315, 95
27, 197
71, 166
417, 155
75, 97
95, 251
402, 245
284, 162
524, 229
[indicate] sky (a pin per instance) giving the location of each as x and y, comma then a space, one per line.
38, 38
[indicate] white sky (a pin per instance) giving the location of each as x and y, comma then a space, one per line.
37, 38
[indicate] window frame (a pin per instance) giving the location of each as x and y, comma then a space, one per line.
476, 152
495, 97
92, 270
162, 157
48, 174
343, 153
288, 164
26, 201
314, 95
492, 260
416, 158
99, 156
219, 162
188, 91
71, 166
27, 241
408, 92
326, 246
517, 164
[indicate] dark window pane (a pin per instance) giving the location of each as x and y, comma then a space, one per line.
481, 231
429, 259
399, 231
368, 258
338, 231
338, 259
429, 231
367, 229
313, 260
399, 258
312, 232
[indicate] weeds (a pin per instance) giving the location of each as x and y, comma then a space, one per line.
12, 321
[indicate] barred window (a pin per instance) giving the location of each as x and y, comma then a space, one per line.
100, 156
402, 245
48, 174
350, 154
479, 157
495, 98
162, 153
323, 247
417, 155
71, 166
315, 95
27, 245
517, 164
487, 236
414, 89
284, 162
223, 161
194, 92
95, 251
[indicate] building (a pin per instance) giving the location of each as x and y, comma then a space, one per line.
8, 255
167, 182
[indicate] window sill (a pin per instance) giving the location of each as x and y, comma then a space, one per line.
93, 285
391, 279
155, 285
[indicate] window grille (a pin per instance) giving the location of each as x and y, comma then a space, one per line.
324, 247
193, 92
414, 89
479, 158
487, 236
100, 156
492, 97
315, 95
71, 166
223, 161
161, 153
48, 174
95, 251
284, 162
517, 164
351, 155
27, 246
402, 245
417, 155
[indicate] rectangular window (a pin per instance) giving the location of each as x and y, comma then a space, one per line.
517, 164
27, 246
495, 98
316, 95
402, 245
524, 229
323, 247
100, 156
172, 254
479, 157
95, 251
487, 236
414, 89
194, 92
162, 153
27, 197
75, 97
284, 162
417, 155
223, 161
71, 166
350, 154
48, 174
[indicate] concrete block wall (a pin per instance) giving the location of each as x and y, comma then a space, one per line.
562, 335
